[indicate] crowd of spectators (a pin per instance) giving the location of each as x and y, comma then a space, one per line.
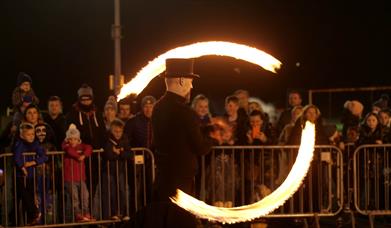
117, 129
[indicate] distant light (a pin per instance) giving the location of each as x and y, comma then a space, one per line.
297, 64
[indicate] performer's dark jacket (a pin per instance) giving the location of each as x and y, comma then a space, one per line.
178, 141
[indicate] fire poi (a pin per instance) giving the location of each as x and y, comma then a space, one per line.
304, 157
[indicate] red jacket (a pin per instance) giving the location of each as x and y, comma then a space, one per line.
74, 170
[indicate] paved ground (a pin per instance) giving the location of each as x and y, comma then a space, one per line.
343, 221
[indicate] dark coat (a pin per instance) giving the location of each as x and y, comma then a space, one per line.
369, 137
348, 120
59, 127
111, 159
89, 123
285, 118
178, 141
139, 131
21, 146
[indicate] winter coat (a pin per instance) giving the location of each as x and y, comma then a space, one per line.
18, 94
369, 137
74, 170
139, 131
348, 120
111, 159
59, 128
285, 118
21, 146
89, 123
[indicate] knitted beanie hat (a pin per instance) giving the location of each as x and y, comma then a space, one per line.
85, 91
23, 77
111, 103
147, 100
72, 132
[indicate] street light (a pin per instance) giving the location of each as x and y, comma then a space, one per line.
116, 35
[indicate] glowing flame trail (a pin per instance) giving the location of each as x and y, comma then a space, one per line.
220, 48
304, 157
267, 204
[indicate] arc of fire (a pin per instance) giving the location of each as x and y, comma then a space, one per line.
304, 157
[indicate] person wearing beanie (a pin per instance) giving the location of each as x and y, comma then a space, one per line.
139, 132
139, 128
93, 132
22, 89
110, 111
148, 100
84, 115
75, 175
85, 91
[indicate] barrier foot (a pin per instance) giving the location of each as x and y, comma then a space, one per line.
305, 223
371, 220
316, 217
353, 219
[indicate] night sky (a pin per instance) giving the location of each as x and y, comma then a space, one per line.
64, 43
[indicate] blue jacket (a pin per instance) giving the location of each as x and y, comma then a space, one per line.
21, 146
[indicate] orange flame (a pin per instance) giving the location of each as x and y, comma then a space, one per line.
267, 204
220, 48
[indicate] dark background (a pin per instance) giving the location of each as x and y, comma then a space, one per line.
64, 43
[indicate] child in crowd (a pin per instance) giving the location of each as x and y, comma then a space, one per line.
25, 182
370, 132
117, 151
23, 88
74, 173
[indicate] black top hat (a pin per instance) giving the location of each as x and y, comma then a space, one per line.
177, 68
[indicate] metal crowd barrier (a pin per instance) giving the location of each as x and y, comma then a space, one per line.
239, 175
372, 188
349, 208
53, 196
229, 176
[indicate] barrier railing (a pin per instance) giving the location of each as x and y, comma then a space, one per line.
239, 175
372, 188
229, 176
110, 188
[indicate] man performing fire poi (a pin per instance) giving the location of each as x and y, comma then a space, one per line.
178, 140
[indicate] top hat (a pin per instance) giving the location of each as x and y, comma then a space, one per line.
178, 68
